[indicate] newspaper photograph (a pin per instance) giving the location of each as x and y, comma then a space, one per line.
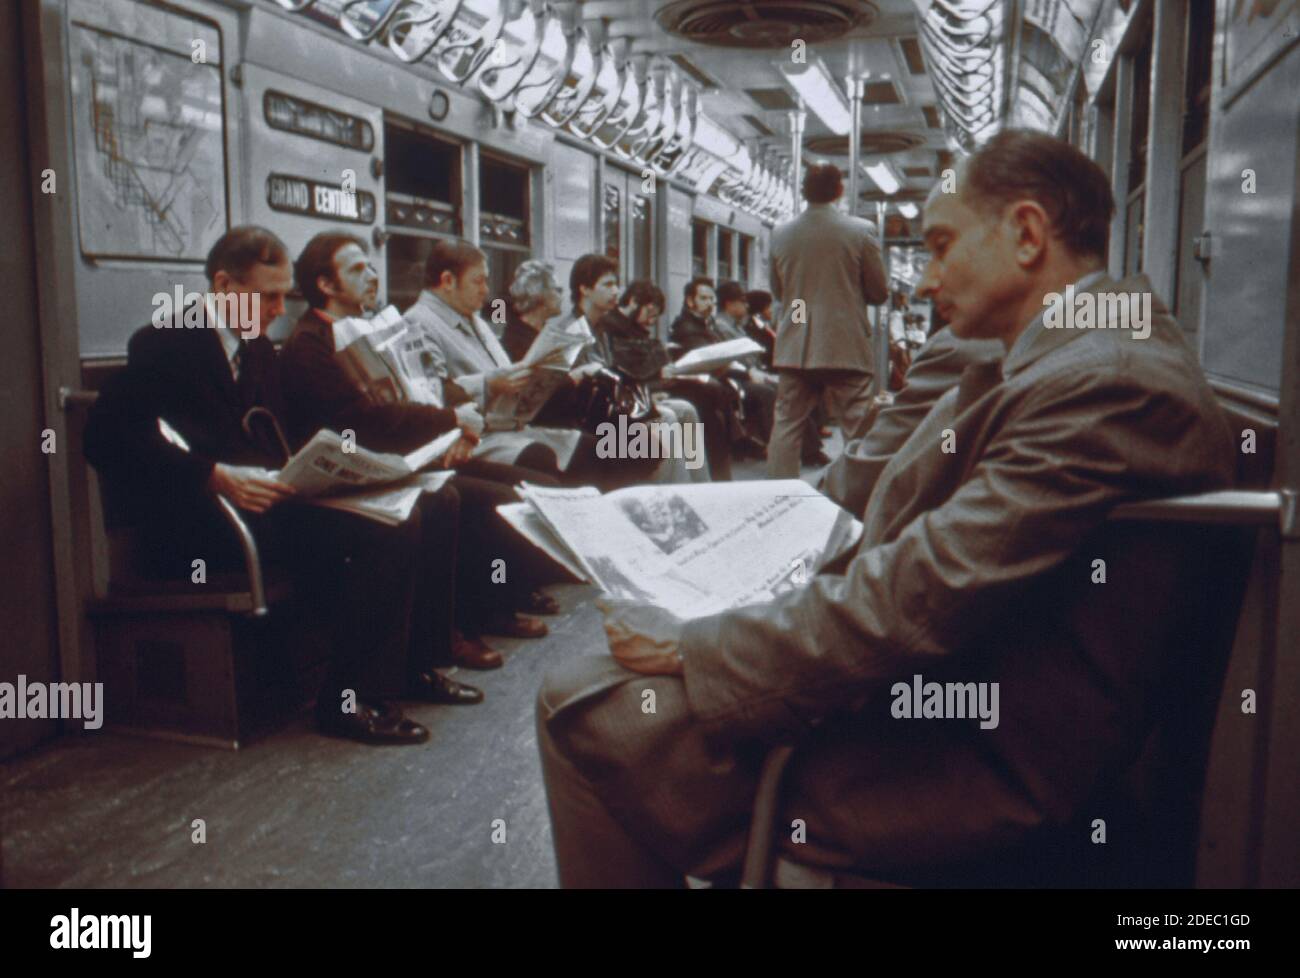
696, 549
388, 359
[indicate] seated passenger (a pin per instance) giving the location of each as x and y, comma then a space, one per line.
593, 287
628, 338
974, 566
335, 277
694, 328
468, 352
203, 383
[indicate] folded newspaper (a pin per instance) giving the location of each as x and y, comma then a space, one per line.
330, 476
552, 355
322, 469
692, 549
704, 359
388, 359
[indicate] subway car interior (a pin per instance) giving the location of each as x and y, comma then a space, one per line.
665, 169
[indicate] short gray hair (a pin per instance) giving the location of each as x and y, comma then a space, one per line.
532, 281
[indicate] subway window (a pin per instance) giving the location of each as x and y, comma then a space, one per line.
421, 202
642, 237
611, 220
1137, 164
725, 241
699, 248
504, 233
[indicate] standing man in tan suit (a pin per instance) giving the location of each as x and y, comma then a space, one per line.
826, 268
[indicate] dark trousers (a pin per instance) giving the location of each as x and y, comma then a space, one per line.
714, 402
496, 568
358, 575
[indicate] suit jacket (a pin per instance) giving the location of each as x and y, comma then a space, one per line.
517, 338
633, 350
319, 394
183, 377
936, 370
691, 331
467, 349
976, 565
832, 262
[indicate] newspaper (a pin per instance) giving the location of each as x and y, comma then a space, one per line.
533, 528
329, 476
322, 465
322, 469
552, 355
387, 504
704, 359
388, 359
693, 549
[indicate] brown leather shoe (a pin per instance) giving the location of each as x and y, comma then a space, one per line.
473, 653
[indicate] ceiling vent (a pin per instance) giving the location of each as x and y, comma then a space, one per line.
764, 23
873, 144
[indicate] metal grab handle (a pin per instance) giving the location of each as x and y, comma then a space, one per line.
1243, 507
758, 850
252, 561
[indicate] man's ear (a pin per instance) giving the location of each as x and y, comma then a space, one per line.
221, 281
326, 285
1031, 227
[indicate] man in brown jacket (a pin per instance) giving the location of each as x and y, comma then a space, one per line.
976, 566
826, 268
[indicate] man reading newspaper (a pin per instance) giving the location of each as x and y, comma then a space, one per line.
975, 567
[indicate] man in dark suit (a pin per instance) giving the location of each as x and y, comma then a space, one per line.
695, 327
974, 568
826, 268
201, 373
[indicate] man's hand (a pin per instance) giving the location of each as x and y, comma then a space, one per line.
759, 376
508, 380
585, 370
642, 638
248, 488
469, 420
460, 452
668, 372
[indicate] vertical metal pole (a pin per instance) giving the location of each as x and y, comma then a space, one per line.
854, 86
882, 311
797, 118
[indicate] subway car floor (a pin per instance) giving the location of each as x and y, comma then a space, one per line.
295, 809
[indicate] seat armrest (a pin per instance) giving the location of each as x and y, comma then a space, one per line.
252, 560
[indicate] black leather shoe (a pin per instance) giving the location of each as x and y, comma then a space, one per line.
372, 724
434, 687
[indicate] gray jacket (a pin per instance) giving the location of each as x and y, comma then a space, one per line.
832, 263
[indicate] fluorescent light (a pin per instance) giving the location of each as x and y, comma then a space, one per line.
883, 177
820, 94
908, 210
